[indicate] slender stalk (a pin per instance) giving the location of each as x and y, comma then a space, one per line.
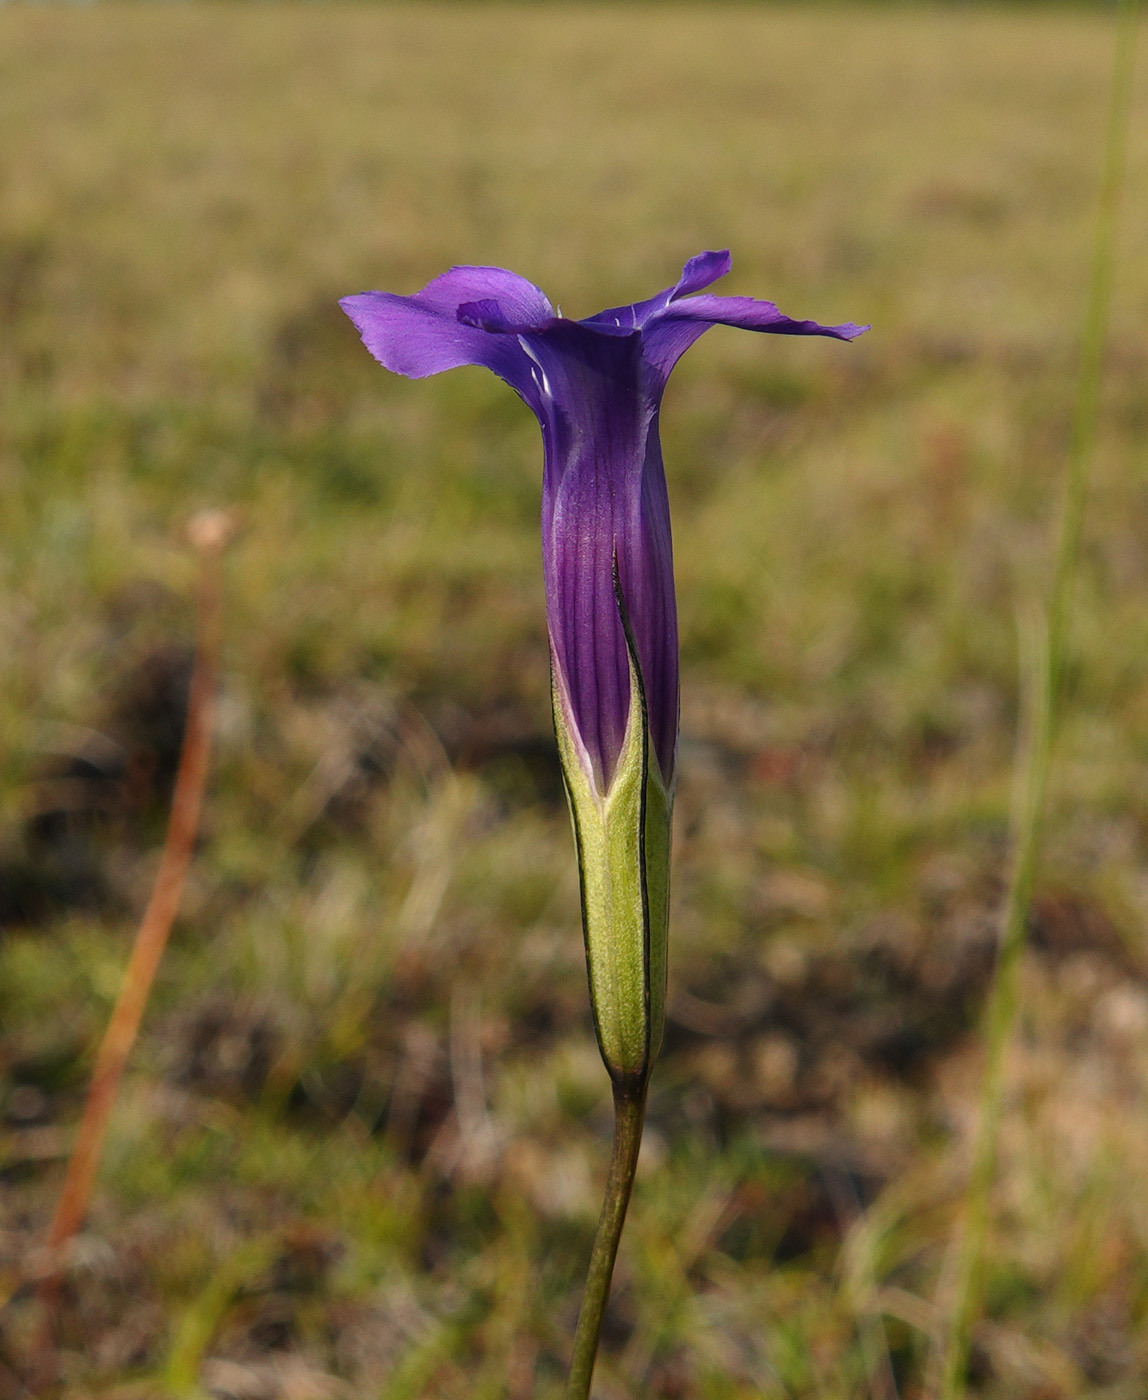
629, 1117
208, 533
1037, 744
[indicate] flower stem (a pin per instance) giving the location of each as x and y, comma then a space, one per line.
1004, 995
629, 1117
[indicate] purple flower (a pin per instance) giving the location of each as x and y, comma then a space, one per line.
596, 388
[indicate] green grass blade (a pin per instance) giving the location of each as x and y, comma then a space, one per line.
1048, 665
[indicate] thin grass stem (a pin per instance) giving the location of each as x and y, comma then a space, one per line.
629, 1118
208, 533
1037, 741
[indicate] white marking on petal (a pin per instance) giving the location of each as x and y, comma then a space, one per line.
540, 377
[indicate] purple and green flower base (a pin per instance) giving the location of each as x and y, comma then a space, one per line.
596, 389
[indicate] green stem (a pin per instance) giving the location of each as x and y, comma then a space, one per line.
629, 1117
1004, 996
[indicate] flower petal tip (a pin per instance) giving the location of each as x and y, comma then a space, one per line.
702, 271
353, 306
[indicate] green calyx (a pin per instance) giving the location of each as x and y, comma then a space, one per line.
623, 839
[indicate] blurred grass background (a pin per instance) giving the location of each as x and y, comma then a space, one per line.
360, 1148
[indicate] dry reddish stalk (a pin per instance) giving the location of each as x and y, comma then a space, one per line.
208, 533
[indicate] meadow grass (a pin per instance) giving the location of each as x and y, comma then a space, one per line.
359, 1150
